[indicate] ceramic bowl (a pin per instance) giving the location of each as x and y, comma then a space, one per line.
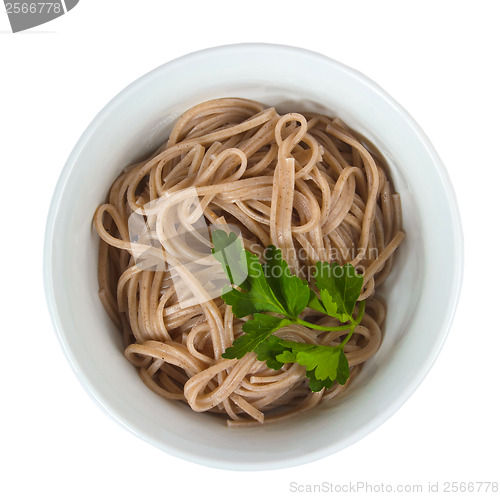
422, 291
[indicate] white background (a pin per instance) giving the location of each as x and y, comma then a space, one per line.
439, 59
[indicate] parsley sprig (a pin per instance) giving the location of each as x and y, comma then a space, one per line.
270, 287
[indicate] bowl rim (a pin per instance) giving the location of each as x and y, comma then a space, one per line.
129, 423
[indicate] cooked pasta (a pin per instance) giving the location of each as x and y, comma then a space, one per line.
305, 183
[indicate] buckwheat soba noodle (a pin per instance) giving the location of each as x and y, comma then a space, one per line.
305, 183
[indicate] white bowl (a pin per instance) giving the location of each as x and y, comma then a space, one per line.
422, 291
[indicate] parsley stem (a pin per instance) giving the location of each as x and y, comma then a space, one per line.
322, 328
354, 323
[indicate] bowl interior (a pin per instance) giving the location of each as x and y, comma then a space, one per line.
422, 288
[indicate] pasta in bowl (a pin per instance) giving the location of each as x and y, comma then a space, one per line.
422, 277
300, 182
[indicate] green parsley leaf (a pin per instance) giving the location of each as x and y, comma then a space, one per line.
256, 331
340, 287
343, 368
331, 307
324, 363
323, 360
292, 291
272, 288
315, 302
316, 385
228, 251
267, 351
259, 298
